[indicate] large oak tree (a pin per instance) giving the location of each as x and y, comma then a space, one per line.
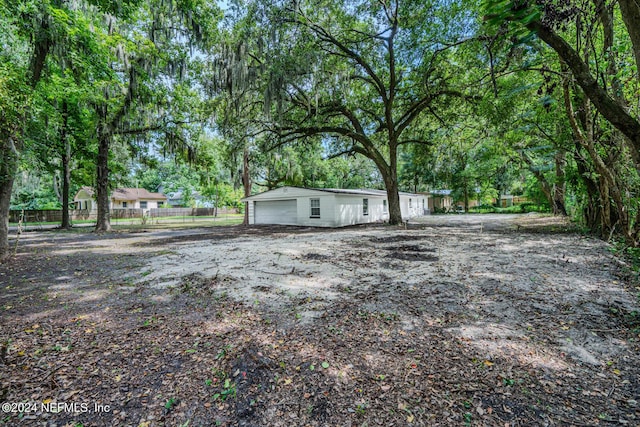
363, 75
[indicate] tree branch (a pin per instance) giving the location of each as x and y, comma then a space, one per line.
351, 150
327, 37
414, 141
606, 105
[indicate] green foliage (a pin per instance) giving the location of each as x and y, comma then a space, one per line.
497, 12
168, 175
224, 195
170, 403
33, 190
515, 209
228, 391
533, 191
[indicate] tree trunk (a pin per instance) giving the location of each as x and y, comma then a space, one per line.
390, 178
8, 168
5, 202
246, 183
66, 181
395, 213
542, 180
559, 188
465, 195
591, 209
608, 182
605, 205
103, 222
630, 10
546, 190
10, 148
217, 201
66, 172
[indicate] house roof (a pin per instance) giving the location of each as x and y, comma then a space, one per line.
177, 195
364, 191
135, 194
360, 192
87, 190
127, 194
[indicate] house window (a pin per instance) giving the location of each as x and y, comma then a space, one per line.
315, 208
124, 204
409, 203
143, 205
160, 204
365, 206
385, 208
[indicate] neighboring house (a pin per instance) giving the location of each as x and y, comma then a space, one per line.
84, 199
121, 198
506, 200
440, 200
327, 207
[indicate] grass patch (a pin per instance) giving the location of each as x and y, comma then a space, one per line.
177, 224
521, 208
151, 224
38, 223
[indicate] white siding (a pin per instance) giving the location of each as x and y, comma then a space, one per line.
119, 204
377, 211
302, 197
303, 210
134, 204
327, 210
411, 205
404, 207
84, 201
151, 204
348, 210
250, 207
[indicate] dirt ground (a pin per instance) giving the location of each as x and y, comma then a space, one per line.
482, 320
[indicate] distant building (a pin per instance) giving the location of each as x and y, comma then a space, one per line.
121, 198
440, 200
506, 200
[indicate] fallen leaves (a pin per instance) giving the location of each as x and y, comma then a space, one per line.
384, 353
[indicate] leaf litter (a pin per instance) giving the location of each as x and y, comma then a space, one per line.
514, 321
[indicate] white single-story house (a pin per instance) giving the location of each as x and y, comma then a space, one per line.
328, 207
121, 198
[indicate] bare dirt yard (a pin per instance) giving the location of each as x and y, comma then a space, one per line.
455, 320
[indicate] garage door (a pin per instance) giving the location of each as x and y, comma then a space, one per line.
276, 212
